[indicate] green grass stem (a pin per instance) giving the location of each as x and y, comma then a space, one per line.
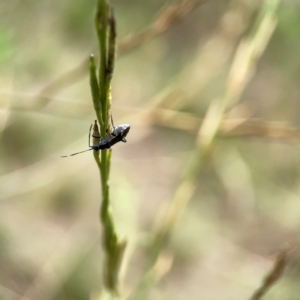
100, 82
247, 56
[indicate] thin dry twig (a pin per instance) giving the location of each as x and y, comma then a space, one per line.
240, 127
169, 16
63, 81
229, 127
275, 273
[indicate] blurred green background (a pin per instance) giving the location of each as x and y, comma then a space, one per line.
246, 206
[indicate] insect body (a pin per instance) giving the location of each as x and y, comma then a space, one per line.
118, 135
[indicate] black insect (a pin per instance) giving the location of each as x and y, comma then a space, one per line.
118, 135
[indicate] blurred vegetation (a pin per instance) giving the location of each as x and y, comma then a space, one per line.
243, 210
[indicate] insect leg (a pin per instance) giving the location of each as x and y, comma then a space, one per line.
112, 122
90, 135
94, 135
113, 125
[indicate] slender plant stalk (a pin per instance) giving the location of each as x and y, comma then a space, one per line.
275, 273
242, 70
100, 87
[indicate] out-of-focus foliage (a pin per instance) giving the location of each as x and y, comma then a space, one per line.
246, 204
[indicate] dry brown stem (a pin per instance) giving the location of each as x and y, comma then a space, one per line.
169, 16
229, 127
274, 274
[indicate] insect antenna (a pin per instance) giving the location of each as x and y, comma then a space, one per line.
76, 153
84, 150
